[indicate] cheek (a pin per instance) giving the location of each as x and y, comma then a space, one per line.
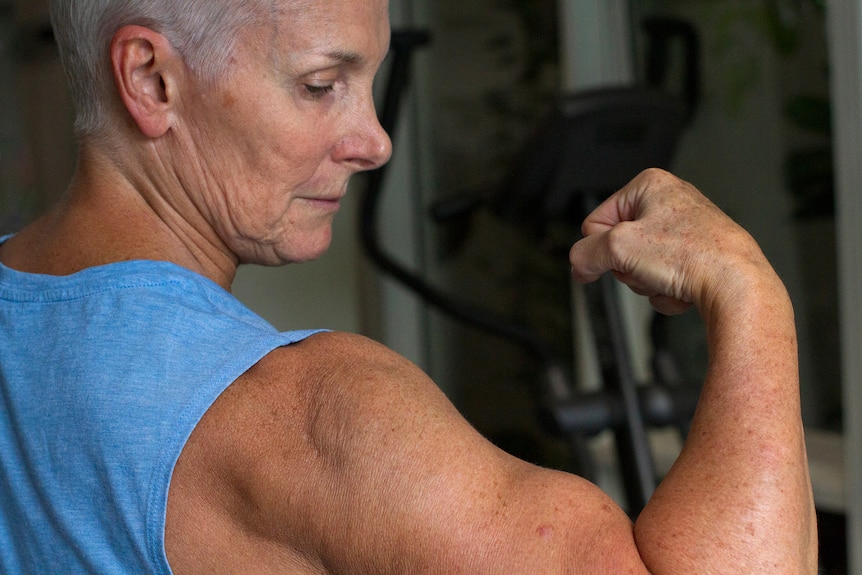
282, 153
261, 189
252, 166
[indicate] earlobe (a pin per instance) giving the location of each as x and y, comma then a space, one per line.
141, 60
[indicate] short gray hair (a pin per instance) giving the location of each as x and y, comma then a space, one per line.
203, 32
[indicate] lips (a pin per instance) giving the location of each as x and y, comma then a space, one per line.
331, 197
326, 204
328, 199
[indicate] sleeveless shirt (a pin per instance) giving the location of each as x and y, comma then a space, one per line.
103, 376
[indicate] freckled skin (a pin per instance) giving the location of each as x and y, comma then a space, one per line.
336, 455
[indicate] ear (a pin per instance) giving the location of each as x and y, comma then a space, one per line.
144, 62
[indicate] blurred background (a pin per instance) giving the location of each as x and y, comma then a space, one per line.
774, 111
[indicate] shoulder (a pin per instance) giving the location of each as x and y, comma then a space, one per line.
342, 448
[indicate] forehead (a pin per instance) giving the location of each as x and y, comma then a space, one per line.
325, 25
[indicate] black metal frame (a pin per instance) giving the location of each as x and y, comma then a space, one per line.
566, 172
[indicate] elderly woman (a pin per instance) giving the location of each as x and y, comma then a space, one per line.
149, 423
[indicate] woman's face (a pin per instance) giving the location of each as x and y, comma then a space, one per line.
267, 155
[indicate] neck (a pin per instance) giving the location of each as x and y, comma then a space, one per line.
105, 219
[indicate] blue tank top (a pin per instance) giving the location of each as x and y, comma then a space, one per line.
103, 376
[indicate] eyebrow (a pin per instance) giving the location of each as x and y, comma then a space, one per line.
345, 57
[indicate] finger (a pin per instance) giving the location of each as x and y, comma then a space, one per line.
634, 285
590, 258
667, 305
625, 205
604, 217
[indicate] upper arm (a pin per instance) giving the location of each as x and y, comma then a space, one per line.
350, 457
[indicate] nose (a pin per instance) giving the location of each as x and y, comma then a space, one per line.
368, 146
379, 145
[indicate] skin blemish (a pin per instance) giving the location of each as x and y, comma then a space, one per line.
545, 531
228, 99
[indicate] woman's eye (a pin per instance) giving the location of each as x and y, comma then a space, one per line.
317, 91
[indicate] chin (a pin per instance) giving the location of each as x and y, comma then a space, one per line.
304, 247
303, 258
311, 251
290, 255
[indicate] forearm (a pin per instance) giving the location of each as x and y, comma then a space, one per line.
738, 500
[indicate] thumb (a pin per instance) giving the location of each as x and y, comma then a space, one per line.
590, 257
